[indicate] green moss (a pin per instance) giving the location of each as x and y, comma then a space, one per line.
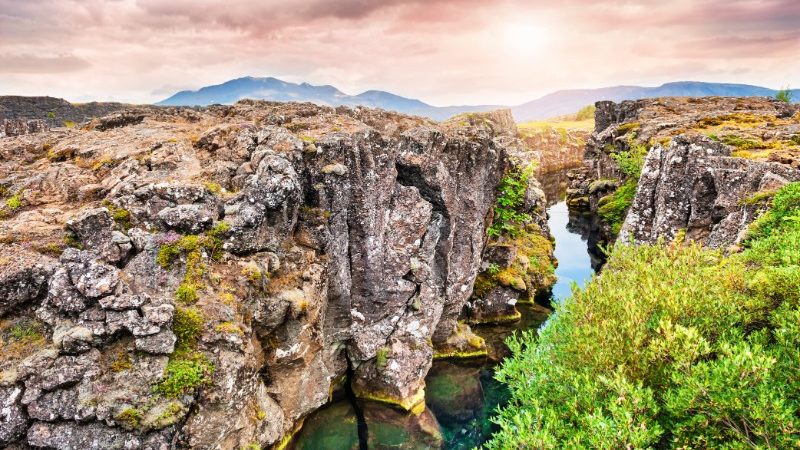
185, 374
14, 202
120, 215
495, 320
187, 369
70, 240
122, 363
186, 294
214, 188
129, 418
626, 128
171, 414
407, 404
532, 268
192, 246
614, 207
381, 358
187, 325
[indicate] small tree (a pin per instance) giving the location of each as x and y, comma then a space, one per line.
784, 95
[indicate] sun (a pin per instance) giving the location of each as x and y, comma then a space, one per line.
524, 38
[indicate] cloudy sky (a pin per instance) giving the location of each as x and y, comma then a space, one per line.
441, 51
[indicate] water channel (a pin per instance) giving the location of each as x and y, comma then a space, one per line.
461, 396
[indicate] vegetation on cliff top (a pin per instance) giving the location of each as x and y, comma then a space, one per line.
674, 346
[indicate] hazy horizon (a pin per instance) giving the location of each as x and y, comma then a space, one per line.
443, 52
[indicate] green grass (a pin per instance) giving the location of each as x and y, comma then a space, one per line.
673, 346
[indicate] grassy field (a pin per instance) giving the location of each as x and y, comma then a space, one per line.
583, 120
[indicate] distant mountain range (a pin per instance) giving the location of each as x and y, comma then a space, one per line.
551, 105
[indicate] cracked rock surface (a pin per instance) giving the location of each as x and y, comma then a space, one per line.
203, 278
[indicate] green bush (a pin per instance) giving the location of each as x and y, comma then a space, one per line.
586, 113
784, 95
613, 208
673, 346
507, 216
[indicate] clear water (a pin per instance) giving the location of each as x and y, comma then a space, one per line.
461, 395
574, 264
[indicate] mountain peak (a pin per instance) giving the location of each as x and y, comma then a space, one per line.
551, 105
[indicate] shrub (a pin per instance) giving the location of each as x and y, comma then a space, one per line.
507, 217
613, 208
673, 346
586, 113
784, 95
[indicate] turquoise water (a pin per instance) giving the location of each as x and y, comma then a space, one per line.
461, 396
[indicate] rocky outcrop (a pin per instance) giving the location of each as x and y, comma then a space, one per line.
695, 186
518, 263
53, 112
19, 127
754, 131
555, 149
204, 278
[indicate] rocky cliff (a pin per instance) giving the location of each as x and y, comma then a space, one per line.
205, 278
684, 164
55, 112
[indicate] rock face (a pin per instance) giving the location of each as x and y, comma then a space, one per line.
695, 186
555, 149
53, 112
760, 134
203, 278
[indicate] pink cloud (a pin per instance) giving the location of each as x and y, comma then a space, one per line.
442, 51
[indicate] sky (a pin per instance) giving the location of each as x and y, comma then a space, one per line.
443, 52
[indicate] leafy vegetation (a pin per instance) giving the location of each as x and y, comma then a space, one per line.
784, 95
507, 216
674, 346
586, 113
613, 208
